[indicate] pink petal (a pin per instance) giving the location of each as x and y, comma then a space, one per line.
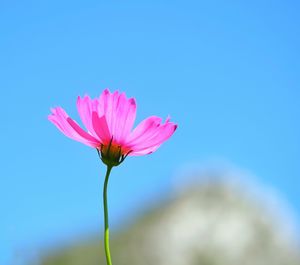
103, 100
163, 134
107, 105
124, 119
119, 112
154, 139
70, 128
101, 128
145, 151
85, 107
144, 130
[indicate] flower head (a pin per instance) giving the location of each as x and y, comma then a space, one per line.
109, 121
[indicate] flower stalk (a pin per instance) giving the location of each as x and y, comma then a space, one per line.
106, 224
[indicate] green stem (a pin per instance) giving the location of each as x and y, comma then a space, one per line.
106, 226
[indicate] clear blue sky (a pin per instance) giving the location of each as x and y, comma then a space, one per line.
226, 71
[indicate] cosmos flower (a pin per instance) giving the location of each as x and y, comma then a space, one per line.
109, 122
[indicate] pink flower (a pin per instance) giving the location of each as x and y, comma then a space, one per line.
109, 120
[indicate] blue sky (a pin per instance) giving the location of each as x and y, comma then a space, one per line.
226, 71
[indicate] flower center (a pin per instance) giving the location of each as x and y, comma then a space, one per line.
112, 154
